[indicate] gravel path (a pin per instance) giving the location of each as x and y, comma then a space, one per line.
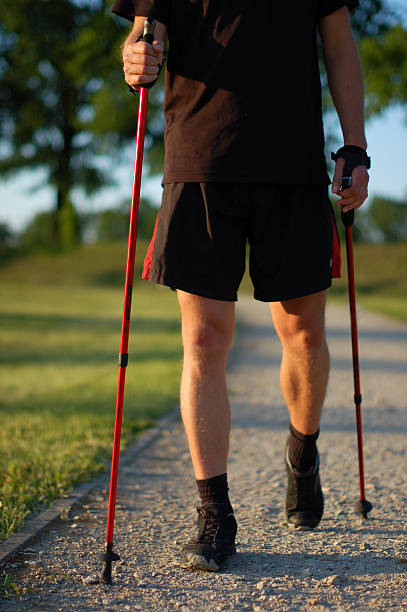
345, 564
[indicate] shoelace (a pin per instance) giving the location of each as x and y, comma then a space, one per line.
210, 526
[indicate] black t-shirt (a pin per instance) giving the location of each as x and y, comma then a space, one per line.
242, 88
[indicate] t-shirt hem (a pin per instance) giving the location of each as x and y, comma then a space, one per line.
275, 180
129, 10
334, 6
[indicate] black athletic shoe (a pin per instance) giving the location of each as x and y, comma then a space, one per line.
304, 503
214, 542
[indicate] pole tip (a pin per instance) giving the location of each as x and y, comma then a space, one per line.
108, 557
363, 507
106, 575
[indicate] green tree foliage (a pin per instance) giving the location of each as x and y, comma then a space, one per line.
38, 234
371, 19
388, 219
8, 242
384, 59
63, 102
6, 235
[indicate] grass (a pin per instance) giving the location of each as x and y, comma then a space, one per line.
10, 588
60, 333
380, 277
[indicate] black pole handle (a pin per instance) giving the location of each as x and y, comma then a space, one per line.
346, 181
147, 37
149, 28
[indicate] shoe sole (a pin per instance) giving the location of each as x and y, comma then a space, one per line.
293, 527
198, 562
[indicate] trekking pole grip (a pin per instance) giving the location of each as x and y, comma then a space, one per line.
149, 28
346, 181
147, 37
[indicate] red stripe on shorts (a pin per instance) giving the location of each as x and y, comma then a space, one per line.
148, 260
336, 251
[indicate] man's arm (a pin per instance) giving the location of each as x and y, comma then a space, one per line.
345, 81
141, 61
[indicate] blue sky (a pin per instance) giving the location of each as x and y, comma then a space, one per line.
387, 146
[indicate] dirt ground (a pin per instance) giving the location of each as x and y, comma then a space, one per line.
345, 564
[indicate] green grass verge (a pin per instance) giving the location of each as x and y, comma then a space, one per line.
380, 277
60, 333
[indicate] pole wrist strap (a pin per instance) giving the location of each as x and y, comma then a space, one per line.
353, 156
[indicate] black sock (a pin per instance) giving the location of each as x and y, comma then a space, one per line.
302, 449
214, 493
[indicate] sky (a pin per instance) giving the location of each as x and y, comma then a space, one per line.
387, 146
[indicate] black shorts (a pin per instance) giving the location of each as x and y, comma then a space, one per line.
202, 229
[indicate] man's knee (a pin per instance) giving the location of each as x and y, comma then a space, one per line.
207, 327
206, 341
305, 338
302, 333
300, 323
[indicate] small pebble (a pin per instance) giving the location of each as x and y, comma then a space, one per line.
333, 580
91, 580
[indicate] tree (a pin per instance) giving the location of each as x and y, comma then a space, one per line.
388, 219
372, 18
6, 235
385, 61
63, 102
113, 223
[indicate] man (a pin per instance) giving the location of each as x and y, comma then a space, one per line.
244, 162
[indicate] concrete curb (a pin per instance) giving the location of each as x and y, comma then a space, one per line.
42, 521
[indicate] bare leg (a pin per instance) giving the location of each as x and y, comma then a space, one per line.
300, 324
207, 332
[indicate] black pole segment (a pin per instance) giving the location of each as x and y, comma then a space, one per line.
148, 35
347, 217
108, 557
123, 360
363, 507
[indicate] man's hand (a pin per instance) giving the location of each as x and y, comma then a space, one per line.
141, 61
356, 194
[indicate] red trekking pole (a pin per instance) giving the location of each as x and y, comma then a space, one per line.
108, 556
363, 507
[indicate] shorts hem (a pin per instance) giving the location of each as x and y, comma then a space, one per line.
292, 294
212, 295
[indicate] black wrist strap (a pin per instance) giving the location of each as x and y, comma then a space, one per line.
353, 156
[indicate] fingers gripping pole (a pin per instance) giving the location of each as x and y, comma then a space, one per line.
109, 555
